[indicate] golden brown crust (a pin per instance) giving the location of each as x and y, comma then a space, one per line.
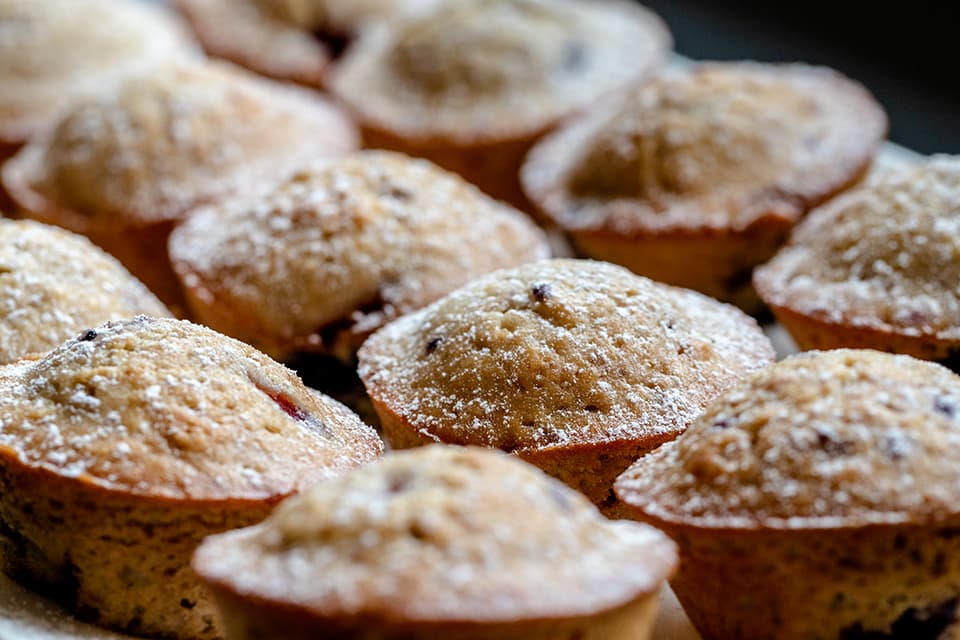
55, 52
420, 542
53, 284
728, 154
559, 358
322, 260
877, 268
124, 447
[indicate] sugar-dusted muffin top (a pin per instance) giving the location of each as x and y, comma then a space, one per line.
433, 534
53, 284
345, 246
822, 439
168, 141
718, 146
560, 353
53, 52
497, 68
887, 256
168, 409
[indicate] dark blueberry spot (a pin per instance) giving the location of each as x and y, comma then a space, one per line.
831, 445
289, 406
722, 423
88, 335
670, 324
187, 604
945, 406
541, 292
928, 623
433, 343
591, 408
397, 193
574, 56
894, 447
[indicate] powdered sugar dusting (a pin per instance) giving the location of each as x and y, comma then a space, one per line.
358, 241
818, 440
54, 284
560, 352
887, 256
167, 408
422, 535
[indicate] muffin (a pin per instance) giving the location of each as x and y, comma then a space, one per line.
286, 39
876, 269
471, 85
123, 168
320, 261
815, 500
698, 177
54, 284
425, 544
55, 52
127, 445
578, 367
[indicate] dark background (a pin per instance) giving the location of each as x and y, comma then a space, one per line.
905, 53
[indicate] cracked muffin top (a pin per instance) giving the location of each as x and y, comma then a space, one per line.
169, 141
560, 353
885, 257
823, 439
496, 69
54, 52
325, 258
170, 410
718, 146
53, 284
427, 536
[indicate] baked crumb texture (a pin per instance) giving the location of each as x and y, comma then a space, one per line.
816, 500
121, 449
575, 366
51, 55
879, 268
319, 262
698, 176
124, 167
54, 284
471, 85
426, 544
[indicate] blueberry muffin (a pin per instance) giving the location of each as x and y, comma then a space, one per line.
575, 366
426, 544
124, 167
877, 269
54, 284
471, 85
287, 39
55, 52
124, 447
816, 500
698, 177
320, 261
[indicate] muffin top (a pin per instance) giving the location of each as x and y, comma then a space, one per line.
345, 247
53, 52
718, 146
168, 141
820, 440
428, 536
886, 256
53, 284
490, 69
170, 410
560, 353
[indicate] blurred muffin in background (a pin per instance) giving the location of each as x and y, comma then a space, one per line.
697, 177
287, 39
322, 260
54, 284
124, 167
878, 268
472, 84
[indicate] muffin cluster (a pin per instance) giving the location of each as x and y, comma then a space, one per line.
527, 254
